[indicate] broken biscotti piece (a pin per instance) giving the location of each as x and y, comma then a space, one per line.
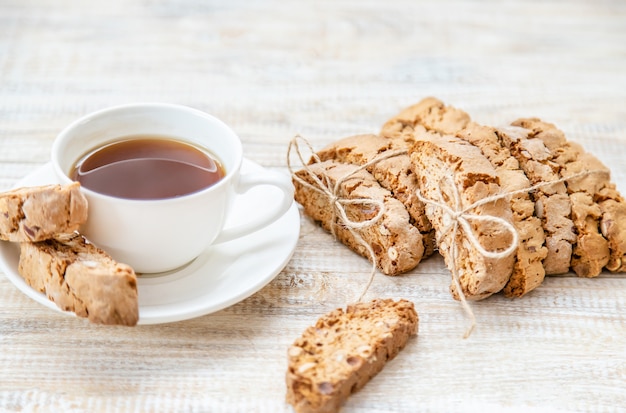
393, 173
344, 350
41, 212
81, 278
397, 244
451, 170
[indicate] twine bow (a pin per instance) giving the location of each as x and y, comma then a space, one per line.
460, 218
325, 186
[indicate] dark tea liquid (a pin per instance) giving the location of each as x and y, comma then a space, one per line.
147, 167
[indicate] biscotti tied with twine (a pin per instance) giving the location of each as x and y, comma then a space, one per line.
598, 210
59, 262
565, 211
344, 350
455, 173
396, 244
434, 116
528, 271
394, 174
582, 217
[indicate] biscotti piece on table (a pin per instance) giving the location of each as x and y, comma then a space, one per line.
41, 212
393, 173
396, 243
81, 278
446, 165
344, 350
598, 210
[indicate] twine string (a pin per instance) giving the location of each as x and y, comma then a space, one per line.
325, 186
460, 221
460, 218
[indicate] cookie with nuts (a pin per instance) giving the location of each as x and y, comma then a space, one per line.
344, 350
598, 210
433, 115
552, 202
429, 111
396, 243
38, 213
393, 172
528, 271
81, 278
454, 174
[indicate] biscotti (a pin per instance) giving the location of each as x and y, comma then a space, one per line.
598, 210
452, 171
569, 244
552, 202
528, 270
344, 350
559, 222
41, 212
433, 115
81, 278
393, 173
429, 111
396, 243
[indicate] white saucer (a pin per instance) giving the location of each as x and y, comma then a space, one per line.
224, 275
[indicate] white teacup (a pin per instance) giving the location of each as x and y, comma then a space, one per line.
159, 235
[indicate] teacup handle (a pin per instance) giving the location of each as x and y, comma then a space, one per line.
249, 181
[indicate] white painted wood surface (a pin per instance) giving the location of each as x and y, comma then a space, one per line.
326, 70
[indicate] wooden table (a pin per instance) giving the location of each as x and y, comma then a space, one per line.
325, 70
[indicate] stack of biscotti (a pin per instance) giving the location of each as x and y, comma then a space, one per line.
583, 220
59, 262
437, 151
394, 174
395, 241
344, 350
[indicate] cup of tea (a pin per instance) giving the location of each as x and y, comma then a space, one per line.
160, 180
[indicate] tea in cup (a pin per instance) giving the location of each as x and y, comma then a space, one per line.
147, 167
160, 180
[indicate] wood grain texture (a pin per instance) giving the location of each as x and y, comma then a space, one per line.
326, 70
